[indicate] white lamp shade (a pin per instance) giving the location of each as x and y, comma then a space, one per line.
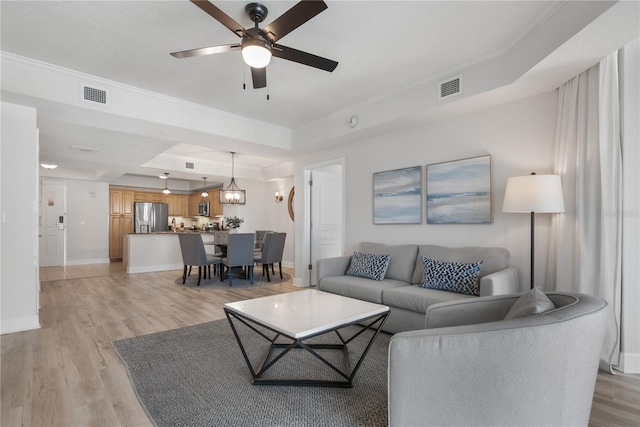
534, 193
255, 53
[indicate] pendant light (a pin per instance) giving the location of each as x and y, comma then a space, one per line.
233, 195
204, 183
166, 184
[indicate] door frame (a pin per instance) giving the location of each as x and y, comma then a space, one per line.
306, 237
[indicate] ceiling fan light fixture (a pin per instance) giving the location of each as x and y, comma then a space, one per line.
256, 53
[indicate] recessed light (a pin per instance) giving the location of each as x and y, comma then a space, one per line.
48, 166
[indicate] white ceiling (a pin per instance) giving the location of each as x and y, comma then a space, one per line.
383, 48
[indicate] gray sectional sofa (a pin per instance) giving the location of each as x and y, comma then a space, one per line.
400, 288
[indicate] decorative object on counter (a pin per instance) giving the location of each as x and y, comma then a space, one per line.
204, 183
233, 195
530, 194
233, 222
166, 184
279, 197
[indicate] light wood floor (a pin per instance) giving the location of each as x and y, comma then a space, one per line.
67, 373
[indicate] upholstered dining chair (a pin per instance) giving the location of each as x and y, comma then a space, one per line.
271, 253
261, 235
239, 254
193, 254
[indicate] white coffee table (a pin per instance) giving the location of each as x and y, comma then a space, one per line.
299, 316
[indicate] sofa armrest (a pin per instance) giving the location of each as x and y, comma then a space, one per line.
501, 282
332, 267
469, 311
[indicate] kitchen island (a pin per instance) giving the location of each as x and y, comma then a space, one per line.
148, 252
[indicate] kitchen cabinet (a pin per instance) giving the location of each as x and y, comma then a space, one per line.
177, 204
155, 197
120, 219
140, 196
194, 199
144, 196
121, 202
215, 208
119, 227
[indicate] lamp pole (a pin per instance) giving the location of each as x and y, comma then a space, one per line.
533, 221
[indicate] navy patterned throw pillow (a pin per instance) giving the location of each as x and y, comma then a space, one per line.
370, 266
456, 277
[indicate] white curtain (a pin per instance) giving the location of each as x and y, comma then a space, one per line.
586, 243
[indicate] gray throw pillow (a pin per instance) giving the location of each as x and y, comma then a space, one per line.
531, 302
459, 277
370, 266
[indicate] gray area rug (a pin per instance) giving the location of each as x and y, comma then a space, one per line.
196, 376
215, 283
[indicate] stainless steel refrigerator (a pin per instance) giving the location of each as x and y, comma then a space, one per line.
150, 217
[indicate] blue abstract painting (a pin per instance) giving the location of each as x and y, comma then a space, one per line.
397, 196
459, 192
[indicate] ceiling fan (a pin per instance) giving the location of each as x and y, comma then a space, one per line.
258, 45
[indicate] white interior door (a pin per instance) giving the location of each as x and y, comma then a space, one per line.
326, 214
52, 224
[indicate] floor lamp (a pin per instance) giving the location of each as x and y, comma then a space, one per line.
533, 194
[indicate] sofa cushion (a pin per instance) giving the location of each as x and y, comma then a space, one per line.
359, 287
531, 302
370, 266
493, 259
415, 298
402, 258
459, 277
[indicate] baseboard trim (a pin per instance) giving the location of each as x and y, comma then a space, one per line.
19, 324
88, 261
154, 268
630, 363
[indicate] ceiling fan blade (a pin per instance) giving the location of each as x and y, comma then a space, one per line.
206, 50
221, 17
292, 19
259, 76
305, 58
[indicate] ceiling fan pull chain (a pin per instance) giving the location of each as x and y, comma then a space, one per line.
267, 91
244, 77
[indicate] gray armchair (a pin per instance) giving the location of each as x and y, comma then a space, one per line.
193, 253
471, 367
272, 252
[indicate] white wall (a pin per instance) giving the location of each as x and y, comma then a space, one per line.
519, 136
87, 222
631, 209
19, 213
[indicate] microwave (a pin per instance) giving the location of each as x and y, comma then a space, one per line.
203, 208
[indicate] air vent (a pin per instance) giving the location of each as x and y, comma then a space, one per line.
189, 165
83, 149
94, 95
450, 87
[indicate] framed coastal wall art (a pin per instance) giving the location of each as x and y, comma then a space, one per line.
397, 196
459, 192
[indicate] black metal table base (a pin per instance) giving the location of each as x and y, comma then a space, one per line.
267, 361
